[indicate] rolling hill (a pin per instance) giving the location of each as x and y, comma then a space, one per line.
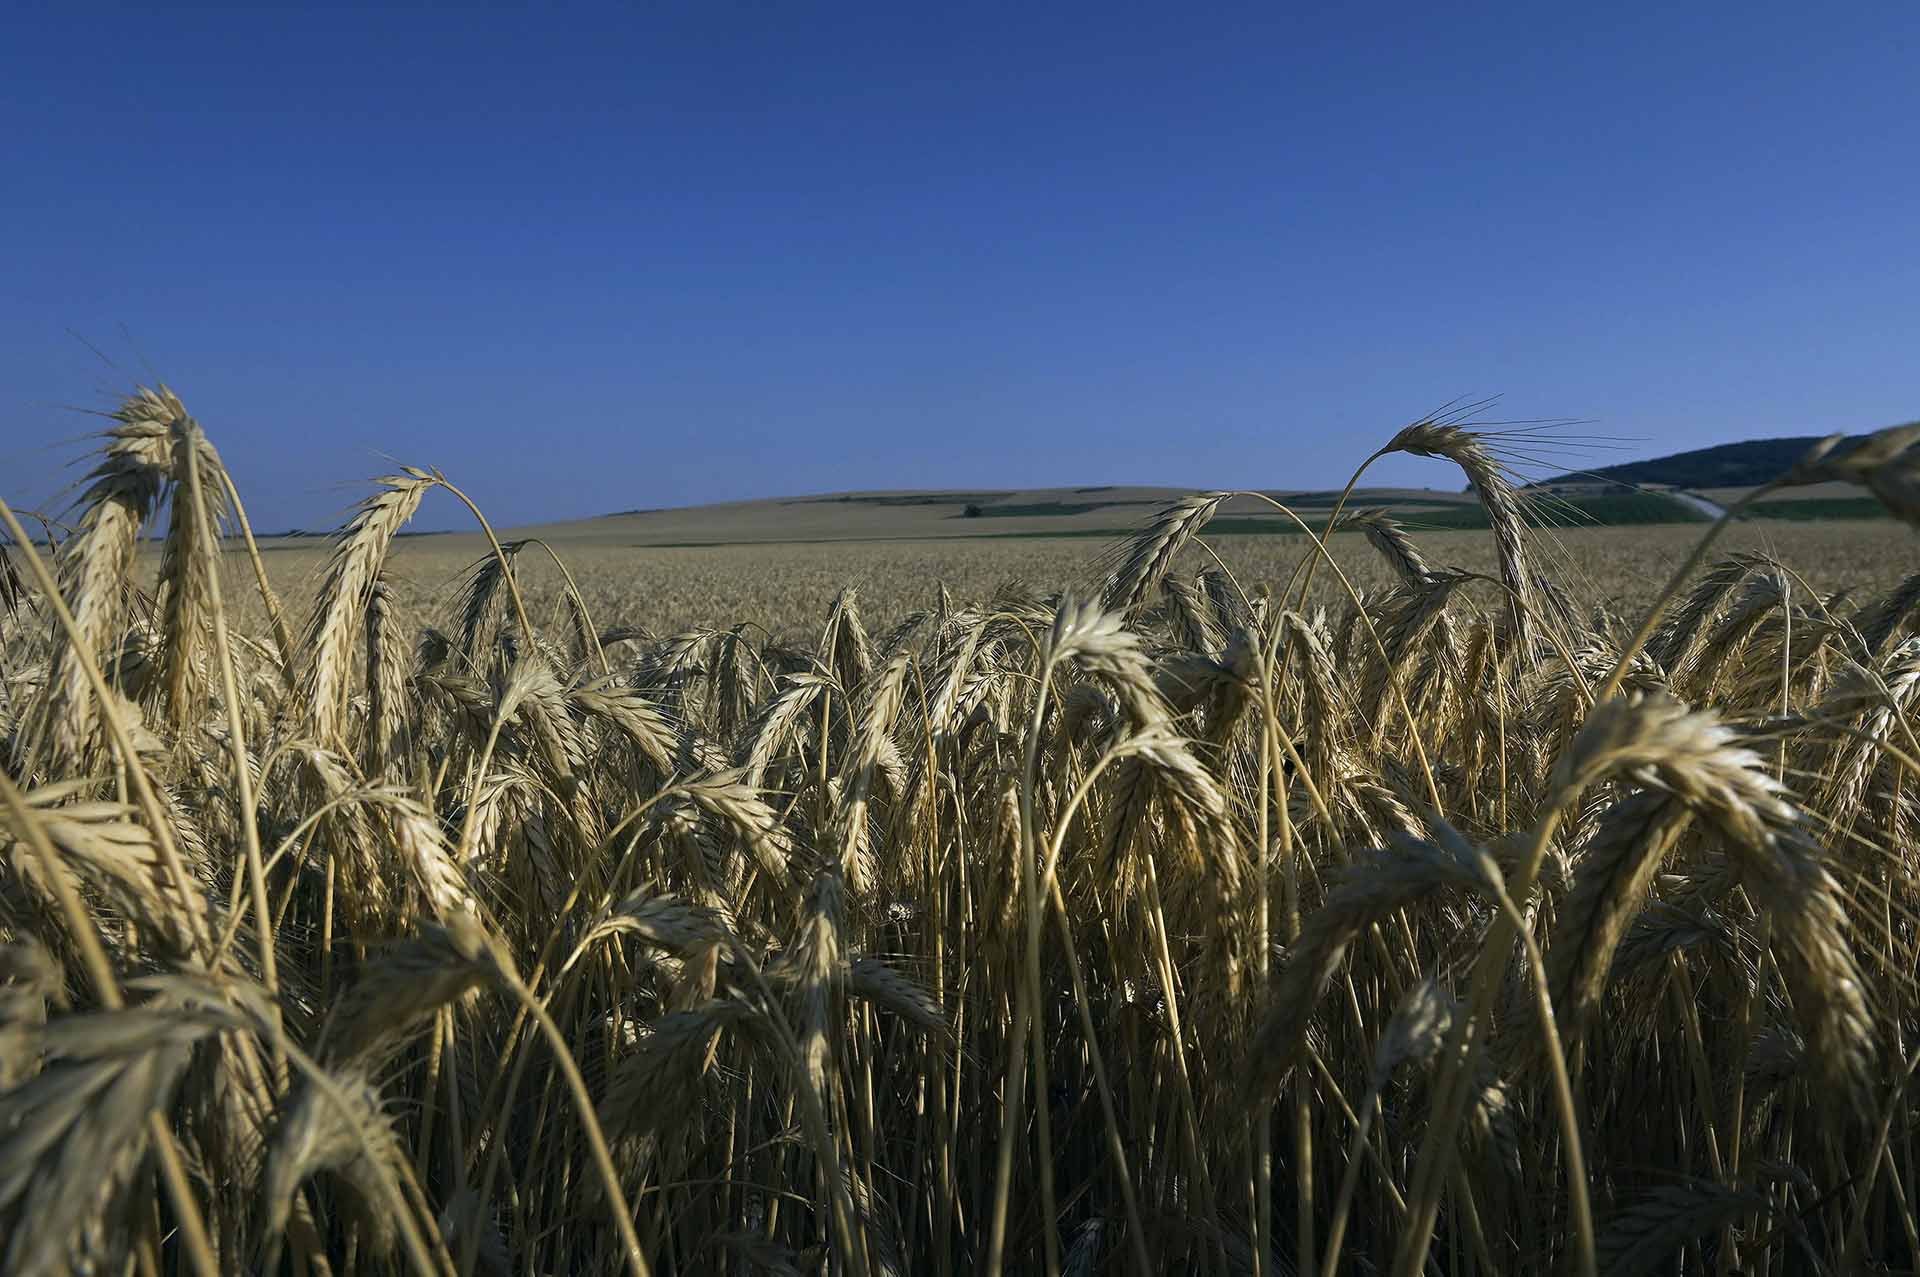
951, 514
1745, 464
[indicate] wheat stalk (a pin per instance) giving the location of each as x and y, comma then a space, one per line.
344, 596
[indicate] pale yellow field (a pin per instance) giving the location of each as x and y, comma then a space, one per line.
787, 588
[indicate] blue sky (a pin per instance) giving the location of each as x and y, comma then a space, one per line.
588, 259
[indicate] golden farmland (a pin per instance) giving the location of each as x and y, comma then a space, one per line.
787, 589
1474, 902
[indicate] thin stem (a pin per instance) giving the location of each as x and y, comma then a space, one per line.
276, 616
589, 1125
236, 734
1659, 606
193, 1228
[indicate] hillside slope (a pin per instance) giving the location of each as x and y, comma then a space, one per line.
1729, 465
948, 514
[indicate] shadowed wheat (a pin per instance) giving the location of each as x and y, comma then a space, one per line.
1180, 922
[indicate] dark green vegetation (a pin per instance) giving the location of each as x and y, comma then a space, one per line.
1326, 500
1622, 510
904, 499
1817, 508
1746, 464
1626, 509
1046, 509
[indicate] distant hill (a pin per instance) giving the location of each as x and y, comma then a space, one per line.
1729, 465
951, 514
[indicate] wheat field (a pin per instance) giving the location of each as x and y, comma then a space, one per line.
1467, 903
787, 590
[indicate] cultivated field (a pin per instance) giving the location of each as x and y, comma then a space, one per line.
787, 589
1456, 901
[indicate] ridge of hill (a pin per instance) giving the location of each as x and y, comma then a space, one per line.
1745, 464
963, 513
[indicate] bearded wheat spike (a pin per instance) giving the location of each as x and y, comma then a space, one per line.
880, 984
72, 1138
1145, 559
1415, 1034
14, 592
728, 797
1693, 757
344, 596
845, 647
185, 593
633, 715
1884, 462
399, 991
1686, 627
424, 852
1385, 534
1891, 617
662, 921
883, 697
1613, 872
1645, 1236
387, 717
478, 590
654, 1086
96, 562
342, 1127
1371, 888
1503, 502
1096, 640
818, 972
1191, 615
777, 720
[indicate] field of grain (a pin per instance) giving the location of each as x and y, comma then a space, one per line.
787, 589
1440, 901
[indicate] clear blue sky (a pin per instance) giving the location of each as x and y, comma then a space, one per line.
588, 259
